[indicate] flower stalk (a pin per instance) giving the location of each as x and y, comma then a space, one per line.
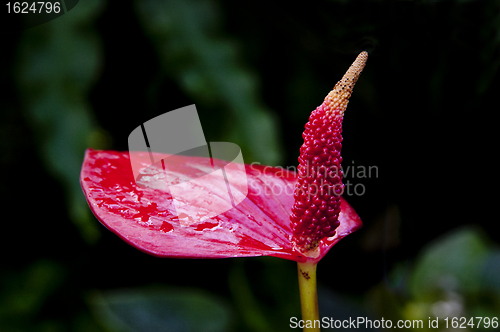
308, 296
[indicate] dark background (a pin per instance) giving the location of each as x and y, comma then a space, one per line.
423, 112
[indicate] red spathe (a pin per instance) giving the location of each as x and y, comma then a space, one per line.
147, 219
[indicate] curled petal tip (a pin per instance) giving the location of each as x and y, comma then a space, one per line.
338, 98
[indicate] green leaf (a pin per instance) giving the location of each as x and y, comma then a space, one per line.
165, 309
452, 263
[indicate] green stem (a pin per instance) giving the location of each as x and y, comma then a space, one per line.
308, 296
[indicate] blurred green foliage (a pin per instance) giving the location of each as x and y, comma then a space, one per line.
208, 67
57, 66
23, 295
450, 278
422, 113
456, 262
161, 309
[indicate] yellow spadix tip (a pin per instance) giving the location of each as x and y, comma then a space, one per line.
338, 98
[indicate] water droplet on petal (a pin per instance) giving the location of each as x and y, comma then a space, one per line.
166, 227
206, 225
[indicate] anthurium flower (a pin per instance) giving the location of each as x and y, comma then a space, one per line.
296, 216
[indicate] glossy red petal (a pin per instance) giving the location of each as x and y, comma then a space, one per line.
147, 219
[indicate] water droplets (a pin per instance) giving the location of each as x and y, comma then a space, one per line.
166, 227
